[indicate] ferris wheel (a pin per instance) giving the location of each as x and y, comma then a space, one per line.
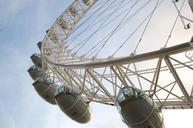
133, 54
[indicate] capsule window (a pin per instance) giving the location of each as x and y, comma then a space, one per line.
121, 97
128, 91
141, 95
118, 107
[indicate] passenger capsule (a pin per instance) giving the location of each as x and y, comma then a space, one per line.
46, 89
137, 109
73, 105
35, 72
39, 44
36, 59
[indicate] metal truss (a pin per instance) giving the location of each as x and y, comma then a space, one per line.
165, 74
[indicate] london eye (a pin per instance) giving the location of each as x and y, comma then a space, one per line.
133, 54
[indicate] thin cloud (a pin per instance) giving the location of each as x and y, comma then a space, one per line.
6, 120
10, 8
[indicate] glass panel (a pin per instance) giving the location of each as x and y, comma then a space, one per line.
118, 107
128, 91
141, 95
121, 97
149, 100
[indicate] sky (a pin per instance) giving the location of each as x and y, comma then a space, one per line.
23, 23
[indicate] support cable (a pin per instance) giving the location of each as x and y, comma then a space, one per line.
114, 31
150, 15
99, 45
157, 3
82, 43
97, 22
173, 27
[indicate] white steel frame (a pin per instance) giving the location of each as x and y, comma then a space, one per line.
99, 80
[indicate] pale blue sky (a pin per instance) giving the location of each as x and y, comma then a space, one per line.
22, 24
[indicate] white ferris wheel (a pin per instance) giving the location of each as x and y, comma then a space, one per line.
133, 54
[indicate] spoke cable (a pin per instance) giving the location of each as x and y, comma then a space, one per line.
87, 39
174, 25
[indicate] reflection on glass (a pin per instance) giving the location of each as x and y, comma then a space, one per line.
128, 93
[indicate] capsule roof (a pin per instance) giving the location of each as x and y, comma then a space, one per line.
35, 72
36, 59
65, 89
39, 44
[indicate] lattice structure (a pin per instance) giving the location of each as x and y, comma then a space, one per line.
165, 74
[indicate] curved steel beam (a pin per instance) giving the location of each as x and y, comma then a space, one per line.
130, 59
